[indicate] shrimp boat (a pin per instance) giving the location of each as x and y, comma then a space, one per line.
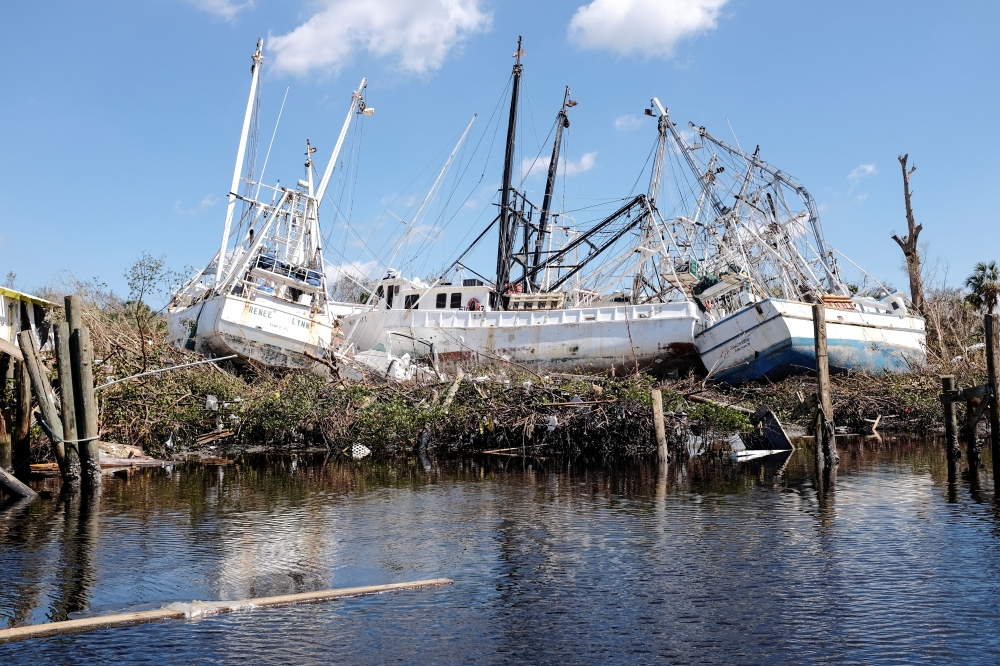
753, 257
264, 295
550, 309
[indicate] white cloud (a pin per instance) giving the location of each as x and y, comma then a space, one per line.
540, 167
419, 33
206, 203
650, 28
861, 171
629, 121
226, 9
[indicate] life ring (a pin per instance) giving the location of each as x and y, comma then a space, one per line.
473, 304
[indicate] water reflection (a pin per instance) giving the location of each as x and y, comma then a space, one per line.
554, 560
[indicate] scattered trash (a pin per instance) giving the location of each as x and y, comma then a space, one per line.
359, 451
211, 403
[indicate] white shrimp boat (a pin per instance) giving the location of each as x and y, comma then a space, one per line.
264, 294
774, 339
454, 326
553, 316
753, 257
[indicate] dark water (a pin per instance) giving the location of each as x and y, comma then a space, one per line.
552, 562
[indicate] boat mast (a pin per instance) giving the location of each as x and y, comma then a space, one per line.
505, 247
657, 174
654, 190
240, 155
561, 121
717, 204
357, 102
825, 252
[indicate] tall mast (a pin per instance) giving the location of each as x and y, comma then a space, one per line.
703, 179
655, 178
657, 174
543, 223
357, 102
240, 154
505, 247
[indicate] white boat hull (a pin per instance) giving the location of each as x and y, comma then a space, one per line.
268, 330
774, 339
657, 336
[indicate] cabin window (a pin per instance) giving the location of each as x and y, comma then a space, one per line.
411, 301
442, 301
388, 297
456, 300
379, 292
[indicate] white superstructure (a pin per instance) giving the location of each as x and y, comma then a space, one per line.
453, 325
264, 295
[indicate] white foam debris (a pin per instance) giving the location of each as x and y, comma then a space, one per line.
201, 608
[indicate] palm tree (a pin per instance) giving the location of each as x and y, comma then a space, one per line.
984, 286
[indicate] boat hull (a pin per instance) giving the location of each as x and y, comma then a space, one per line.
267, 330
657, 336
774, 339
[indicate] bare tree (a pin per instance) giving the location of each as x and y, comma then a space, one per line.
908, 243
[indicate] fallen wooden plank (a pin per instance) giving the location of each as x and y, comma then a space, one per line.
197, 608
212, 437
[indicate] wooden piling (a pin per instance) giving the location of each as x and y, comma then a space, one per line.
661, 432
6, 418
82, 355
21, 437
825, 434
993, 380
950, 418
74, 312
44, 396
67, 403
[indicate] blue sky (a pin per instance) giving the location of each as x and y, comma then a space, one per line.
121, 119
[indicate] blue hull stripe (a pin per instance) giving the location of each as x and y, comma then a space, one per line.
796, 356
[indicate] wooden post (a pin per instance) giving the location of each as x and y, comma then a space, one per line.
67, 403
82, 355
992, 351
972, 406
825, 436
661, 432
950, 418
21, 437
43, 395
7, 415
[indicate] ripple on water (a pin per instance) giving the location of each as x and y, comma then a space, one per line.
589, 565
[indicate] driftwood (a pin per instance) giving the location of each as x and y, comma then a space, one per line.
196, 608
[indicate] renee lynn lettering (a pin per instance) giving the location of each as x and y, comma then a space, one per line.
261, 312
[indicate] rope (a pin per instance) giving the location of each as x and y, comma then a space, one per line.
57, 438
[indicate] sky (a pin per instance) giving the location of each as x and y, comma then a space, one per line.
121, 119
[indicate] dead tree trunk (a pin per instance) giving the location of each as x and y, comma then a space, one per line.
908, 243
